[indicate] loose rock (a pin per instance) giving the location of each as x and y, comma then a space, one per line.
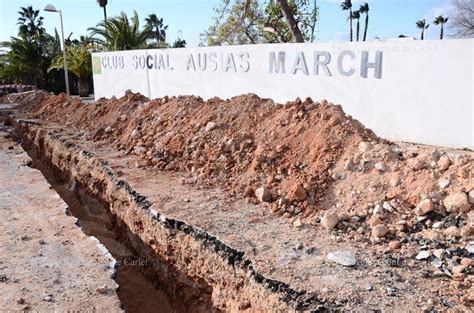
294, 192
102, 289
379, 230
263, 194
444, 163
457, 202
424, 207
415, 164
380, 166
345, 258
443, 183
439, 253
394, 244
330, 220
452, 231
365, 146
471, 197
423, 255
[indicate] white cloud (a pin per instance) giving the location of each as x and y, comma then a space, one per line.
443, 9
340, 36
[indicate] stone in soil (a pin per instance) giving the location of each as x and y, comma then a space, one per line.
330, 220
471, 197
457, 202
423, 255
379, 230
424, 207
263, 194
380, 166
443, 183
345, 258
394, 244
444, 163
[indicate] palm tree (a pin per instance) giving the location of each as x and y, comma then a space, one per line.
421, 24
356, 16
179, 43
79, 63
30, 22
440, 20
103, 5
157, 27
120, 33
24, 60
347, 5
364, 9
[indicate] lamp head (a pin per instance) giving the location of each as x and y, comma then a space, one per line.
50, 8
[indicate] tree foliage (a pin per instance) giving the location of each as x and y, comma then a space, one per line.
441, 20
30, 23
121, 33
346, 5
251, 22
179, 43
364, 9
421, 24
157, 27
35, 57
78, 60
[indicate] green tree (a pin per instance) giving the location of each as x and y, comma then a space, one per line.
234, 24
157, 27
103, 5
23, 61
364, 9
421, 24
30, 22
179, 43
121, 33
79, 63
291, 21
346, 5
440, 20
249, 22
356, 16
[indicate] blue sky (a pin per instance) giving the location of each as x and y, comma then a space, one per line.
388, 18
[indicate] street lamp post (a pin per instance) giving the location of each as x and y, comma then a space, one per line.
52, 8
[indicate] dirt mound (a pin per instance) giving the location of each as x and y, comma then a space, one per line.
304, 159
26, 99
244, 142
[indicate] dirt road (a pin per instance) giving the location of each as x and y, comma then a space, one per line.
46, 262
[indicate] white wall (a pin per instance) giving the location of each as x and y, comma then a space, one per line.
424, 93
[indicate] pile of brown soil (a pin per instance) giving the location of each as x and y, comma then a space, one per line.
304, 159
26, 99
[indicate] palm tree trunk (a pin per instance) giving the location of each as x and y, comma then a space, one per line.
290, 19
366, 25
423, 34
83, 86
442, 31
357, 30
350, 24
105, 13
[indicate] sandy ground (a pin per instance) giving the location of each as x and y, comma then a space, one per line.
46, 262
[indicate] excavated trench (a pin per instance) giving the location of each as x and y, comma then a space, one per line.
163, 264
141, 289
